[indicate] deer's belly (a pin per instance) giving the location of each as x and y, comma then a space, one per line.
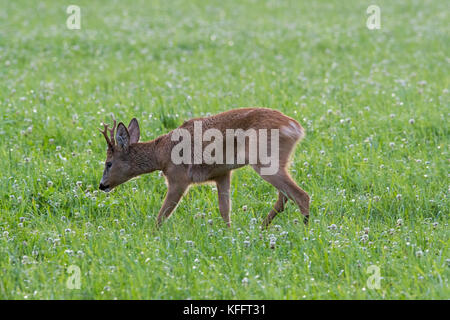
201, 173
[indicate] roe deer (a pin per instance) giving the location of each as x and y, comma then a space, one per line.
129, 158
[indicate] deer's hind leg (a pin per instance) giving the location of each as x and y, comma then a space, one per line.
287, 188
281, 180
277, 208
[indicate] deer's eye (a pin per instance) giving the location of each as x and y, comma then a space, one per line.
108, 165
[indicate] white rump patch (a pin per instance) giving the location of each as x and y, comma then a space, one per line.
293, 131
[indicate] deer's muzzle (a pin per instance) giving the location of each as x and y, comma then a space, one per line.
103, 187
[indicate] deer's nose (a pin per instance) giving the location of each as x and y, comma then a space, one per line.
102, 186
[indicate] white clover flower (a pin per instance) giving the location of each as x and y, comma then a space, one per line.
189, 243
422, 82
49, 183
272, 243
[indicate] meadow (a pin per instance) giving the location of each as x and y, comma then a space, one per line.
374, 103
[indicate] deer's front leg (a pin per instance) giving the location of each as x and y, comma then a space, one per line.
174, 194
223, 189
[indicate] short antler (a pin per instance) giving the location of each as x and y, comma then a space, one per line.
111, 131
110, 141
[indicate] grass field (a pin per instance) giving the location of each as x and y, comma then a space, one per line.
374, 103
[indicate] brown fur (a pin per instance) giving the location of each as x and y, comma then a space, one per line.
132, 159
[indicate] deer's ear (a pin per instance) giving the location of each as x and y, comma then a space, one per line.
134, 131
122, 137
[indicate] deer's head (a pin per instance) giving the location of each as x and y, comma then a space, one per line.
118, 164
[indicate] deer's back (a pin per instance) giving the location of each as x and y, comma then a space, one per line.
244, 118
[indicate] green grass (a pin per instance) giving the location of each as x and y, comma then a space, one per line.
363, 163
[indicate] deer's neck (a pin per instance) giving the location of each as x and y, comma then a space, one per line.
145, 157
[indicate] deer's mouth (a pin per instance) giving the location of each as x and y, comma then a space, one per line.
104, 188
